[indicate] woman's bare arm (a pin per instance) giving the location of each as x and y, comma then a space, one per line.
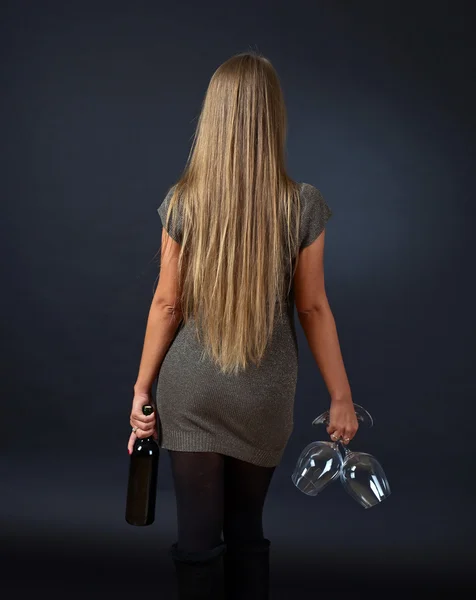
317, 320
164, 316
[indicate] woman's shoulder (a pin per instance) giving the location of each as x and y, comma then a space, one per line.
309, 192
315, 212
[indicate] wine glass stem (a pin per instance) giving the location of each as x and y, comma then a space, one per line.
346, 450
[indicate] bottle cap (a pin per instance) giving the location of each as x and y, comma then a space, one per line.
147, 409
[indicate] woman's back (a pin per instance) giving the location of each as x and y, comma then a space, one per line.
248, 415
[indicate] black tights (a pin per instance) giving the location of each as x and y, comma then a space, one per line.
215, 494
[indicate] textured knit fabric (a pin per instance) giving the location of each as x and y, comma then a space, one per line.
249, 416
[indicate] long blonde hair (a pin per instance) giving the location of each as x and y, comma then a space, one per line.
239, 215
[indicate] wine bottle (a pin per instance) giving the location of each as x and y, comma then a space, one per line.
142, 484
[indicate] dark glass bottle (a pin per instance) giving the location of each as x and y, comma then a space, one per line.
142, 484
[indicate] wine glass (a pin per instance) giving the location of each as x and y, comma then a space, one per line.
361, 474
364, 478
318, 465
320, 462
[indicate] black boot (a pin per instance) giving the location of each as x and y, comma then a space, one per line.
246, 570
199, 574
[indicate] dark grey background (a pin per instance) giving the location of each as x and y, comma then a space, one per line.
99, 104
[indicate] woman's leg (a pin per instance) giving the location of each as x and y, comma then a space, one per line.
198, 552
246, 487
246, 561
198, 481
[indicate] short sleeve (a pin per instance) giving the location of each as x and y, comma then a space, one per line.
173, 229
314, 214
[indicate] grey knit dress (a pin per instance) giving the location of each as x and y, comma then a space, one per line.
249, 416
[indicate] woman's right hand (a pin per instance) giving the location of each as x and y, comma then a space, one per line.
146, 424
343, 423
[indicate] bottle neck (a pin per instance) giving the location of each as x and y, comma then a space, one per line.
146, 440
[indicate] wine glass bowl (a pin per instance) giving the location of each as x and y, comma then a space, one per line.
318, 465
363, 478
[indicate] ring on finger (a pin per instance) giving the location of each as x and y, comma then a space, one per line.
134, 429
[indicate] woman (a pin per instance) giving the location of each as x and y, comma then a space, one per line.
241, 244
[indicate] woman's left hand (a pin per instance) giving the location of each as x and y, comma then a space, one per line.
146, 424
